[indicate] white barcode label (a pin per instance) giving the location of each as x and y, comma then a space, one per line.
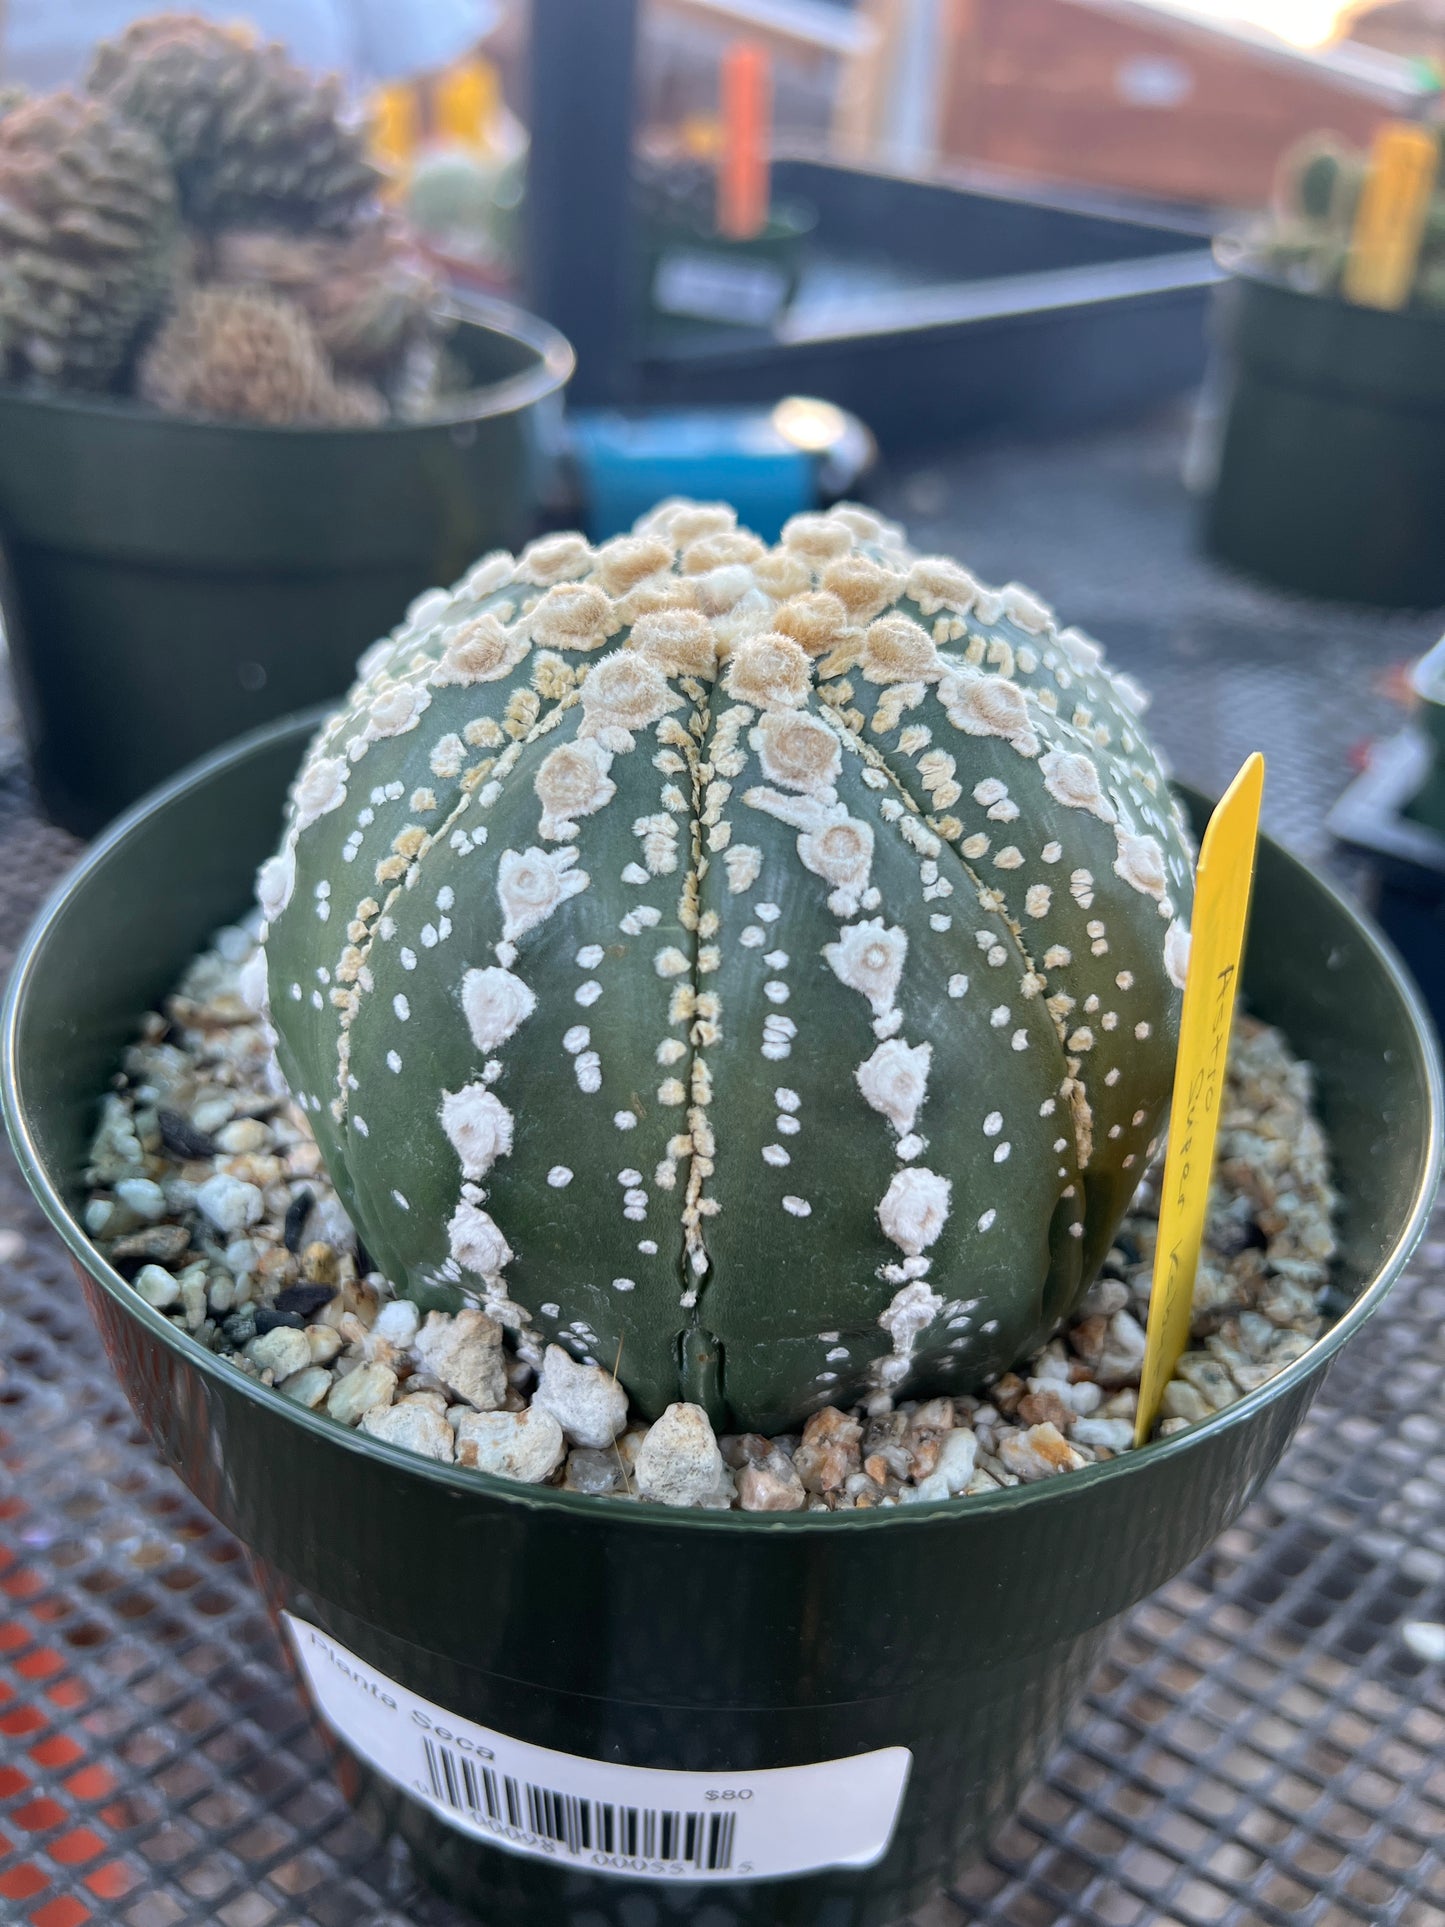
597, 1816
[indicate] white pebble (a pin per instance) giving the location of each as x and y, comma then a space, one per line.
679, 1462
399, 1322
415, 1424
308, 1387
281, 1352
360, 1391
157, 1287
143, 1196
230, 1204
587, 1401
1115, 1433
952, 1471
525, 1446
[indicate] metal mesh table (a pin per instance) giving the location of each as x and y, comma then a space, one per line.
1261, 1745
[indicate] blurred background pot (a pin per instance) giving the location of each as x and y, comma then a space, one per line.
167, 583
696, 1641
1329, 471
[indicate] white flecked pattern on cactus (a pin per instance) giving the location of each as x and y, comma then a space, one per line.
756, 968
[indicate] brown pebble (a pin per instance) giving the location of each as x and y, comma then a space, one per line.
934, 1415
159, 1243
832, 1427
320, 1264
1045, 1408
762, 1489
1007, 1393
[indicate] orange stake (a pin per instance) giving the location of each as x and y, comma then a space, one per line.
743, 188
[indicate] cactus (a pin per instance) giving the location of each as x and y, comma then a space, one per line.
87, 231
253, 138
369, 296
756, 970
238, 355
1319, 180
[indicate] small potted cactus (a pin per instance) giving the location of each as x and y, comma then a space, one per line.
738, 986
239, 428
1327, 464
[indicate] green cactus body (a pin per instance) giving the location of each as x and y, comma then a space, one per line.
757, 969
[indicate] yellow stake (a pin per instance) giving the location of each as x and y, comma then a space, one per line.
1390, 220
1221, 911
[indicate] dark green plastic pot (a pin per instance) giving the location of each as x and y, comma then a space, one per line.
1330, 473
166, 583
693, 1641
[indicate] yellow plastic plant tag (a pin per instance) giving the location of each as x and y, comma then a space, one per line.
1390, 220
1222, 889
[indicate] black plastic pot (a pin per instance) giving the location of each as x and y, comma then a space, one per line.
707, 1642
166, 584
1330, 464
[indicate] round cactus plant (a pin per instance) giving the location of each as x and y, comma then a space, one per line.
754, 969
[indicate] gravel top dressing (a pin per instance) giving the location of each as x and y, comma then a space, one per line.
207, 1190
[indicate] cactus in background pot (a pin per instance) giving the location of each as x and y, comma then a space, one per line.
87, 232
253, 137
369, 295
760, 968
238, 355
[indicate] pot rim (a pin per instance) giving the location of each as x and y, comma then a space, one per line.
553, 368
1237, 255
585, 1507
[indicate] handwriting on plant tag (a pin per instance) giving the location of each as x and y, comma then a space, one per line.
1223, 885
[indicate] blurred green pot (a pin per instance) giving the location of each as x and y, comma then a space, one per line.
705, 1642
1330, 467
166, 584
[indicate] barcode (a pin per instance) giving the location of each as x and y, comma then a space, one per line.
701, 1840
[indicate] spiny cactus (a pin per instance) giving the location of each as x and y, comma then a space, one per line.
755, 969
252, 137
239, 355
87, 228
369, 296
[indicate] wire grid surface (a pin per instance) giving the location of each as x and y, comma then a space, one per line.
1260, 1747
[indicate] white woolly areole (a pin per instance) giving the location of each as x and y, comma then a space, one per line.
475, 1241
911, 1310
894, 1080
531, 884
896, 649
841, 852
493, 572
1176, 953
770, 669
1073, 780
989, 706
396, 710
479, 1126
482, 650
915, 1208
276, 880
496, 1005
621, 693
1141, 863
935, 582
798, 751
320, 789
868, 957
573, 781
